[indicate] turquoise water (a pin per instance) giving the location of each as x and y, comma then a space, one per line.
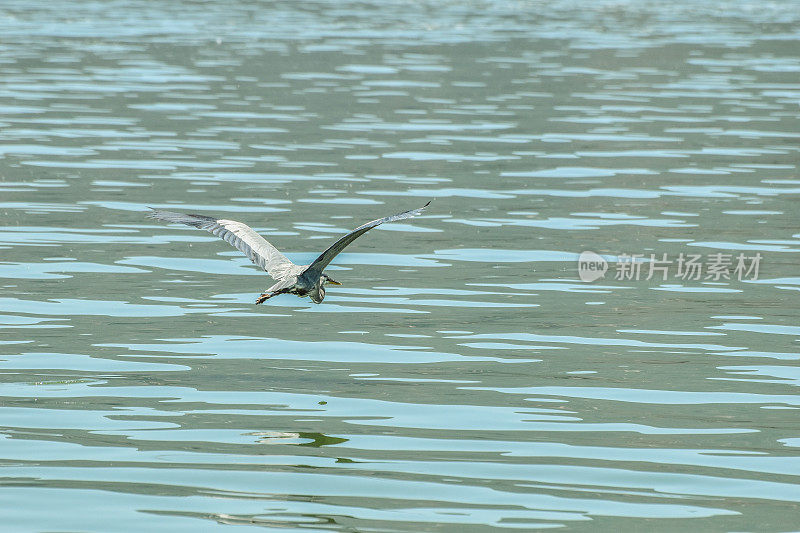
463, 378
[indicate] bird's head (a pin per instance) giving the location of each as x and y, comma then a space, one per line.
327, 279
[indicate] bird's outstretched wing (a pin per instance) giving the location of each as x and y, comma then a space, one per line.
239, 235
319, 264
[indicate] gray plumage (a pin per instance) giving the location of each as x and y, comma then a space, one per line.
302, 280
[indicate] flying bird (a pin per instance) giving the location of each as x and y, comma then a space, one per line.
302, 280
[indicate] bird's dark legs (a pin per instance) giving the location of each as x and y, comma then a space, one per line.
266, 296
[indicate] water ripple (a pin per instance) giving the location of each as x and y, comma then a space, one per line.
463, 377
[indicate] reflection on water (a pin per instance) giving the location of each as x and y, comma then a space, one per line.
463, 376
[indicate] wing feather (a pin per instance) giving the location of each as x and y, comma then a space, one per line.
240, 236
319, 264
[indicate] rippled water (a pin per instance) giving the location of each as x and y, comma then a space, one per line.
463, 378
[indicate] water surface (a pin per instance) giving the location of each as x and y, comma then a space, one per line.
463, 378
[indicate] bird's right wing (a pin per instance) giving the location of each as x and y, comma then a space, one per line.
241, 236
316, 268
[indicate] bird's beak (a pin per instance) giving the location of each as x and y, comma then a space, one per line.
333, 281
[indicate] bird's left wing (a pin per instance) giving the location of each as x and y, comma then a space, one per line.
241, 236
319, 264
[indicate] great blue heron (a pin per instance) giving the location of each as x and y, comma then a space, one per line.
302, 280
